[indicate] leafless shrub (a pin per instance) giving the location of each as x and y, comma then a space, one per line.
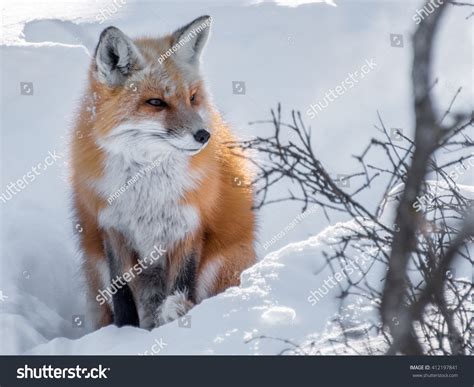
424, 309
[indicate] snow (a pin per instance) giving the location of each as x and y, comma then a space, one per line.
267, 303
286, 51
296, 3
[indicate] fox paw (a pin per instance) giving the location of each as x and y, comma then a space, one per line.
172, 308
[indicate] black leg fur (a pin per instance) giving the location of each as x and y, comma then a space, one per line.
186, 280
125, 310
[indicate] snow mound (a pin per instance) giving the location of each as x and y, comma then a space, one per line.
271, 302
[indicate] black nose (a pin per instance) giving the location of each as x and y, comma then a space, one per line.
202, 136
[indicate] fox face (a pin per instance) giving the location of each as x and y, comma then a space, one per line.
150, 97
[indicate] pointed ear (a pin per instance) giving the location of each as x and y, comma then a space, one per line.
116, 57
192, 38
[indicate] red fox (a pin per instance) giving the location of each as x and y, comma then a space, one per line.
152, 168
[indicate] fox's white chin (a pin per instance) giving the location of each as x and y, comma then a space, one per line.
188, 149
198, 150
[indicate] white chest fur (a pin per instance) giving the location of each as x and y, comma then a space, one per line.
145, 201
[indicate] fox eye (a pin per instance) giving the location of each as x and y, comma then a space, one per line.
193, 98
157, 102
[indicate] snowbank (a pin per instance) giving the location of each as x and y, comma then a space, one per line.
269, 309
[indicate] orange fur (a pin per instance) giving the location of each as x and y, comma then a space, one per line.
226, 229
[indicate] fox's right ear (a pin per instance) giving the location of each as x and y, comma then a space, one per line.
116, 57
192, 38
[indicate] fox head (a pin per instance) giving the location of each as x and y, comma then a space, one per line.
149, 96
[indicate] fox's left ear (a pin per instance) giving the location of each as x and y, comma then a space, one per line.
116, 57
192, 38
